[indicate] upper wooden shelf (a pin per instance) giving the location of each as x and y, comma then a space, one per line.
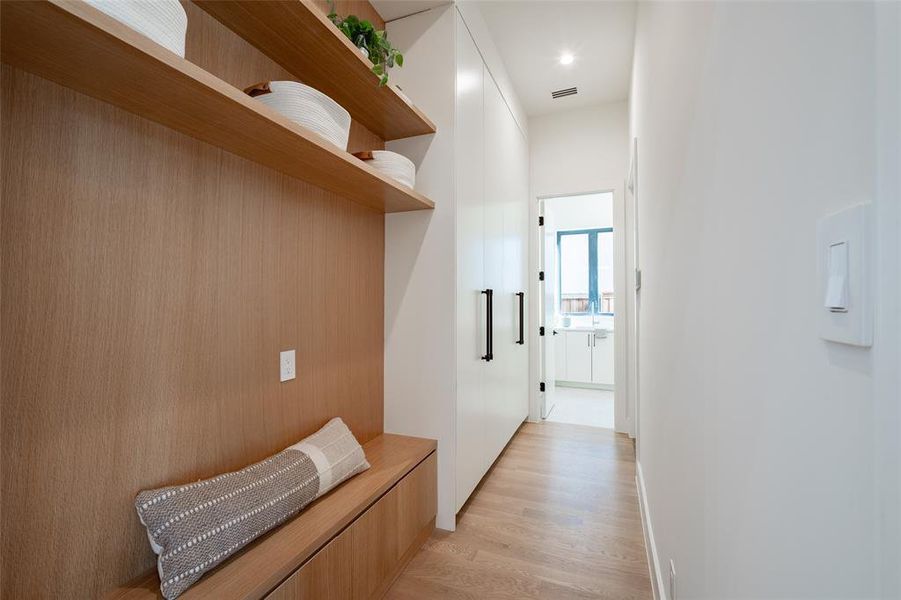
295, 34
78, 46
266, 562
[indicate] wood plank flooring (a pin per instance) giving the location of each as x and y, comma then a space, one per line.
556, 518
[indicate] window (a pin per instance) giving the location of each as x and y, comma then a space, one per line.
585, 265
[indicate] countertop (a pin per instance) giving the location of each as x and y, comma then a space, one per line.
583, 328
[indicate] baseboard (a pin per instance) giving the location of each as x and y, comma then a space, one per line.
588, 386
653, 562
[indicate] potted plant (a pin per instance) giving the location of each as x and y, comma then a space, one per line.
371, 41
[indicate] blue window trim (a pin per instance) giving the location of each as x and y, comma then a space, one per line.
593, 292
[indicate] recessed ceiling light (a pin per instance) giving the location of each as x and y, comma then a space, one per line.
566, 58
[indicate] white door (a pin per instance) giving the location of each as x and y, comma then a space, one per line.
471, 332
578, 356
559, 356
602, 362
552, 353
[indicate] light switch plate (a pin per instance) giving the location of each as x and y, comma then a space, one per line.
287, 366
850, 231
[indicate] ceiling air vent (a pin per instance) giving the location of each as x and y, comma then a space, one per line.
564, 92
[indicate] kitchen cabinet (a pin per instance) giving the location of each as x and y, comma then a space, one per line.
602, 358
578, 356
585, 356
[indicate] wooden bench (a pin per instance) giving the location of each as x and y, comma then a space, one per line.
351, 543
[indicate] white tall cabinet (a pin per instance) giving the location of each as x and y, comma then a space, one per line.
439, 380
492, 199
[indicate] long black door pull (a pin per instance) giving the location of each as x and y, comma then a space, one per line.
522, 311
489, 321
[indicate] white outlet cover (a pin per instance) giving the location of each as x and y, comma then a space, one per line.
287, 365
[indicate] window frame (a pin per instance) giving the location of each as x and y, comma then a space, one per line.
593, 285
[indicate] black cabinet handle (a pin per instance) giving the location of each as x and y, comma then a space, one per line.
522, 311
489, 321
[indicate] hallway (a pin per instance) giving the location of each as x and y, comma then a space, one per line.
556, 518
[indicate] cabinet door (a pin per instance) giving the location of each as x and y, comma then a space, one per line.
389, 534
516, 261
326, 576
502, 268
470, 149
602, 359
578, 356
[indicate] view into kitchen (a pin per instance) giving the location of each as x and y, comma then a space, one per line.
579, 294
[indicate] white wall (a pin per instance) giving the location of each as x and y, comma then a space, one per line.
586, 211
573, 152
770, 457
420, 256
583, 150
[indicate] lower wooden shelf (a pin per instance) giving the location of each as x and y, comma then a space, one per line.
76, 45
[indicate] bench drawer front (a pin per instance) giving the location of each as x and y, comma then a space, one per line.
387, 535
326, 576
362, 561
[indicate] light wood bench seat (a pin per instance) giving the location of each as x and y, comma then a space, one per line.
378, 519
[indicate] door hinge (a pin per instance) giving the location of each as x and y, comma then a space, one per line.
540, 275
541, 387
541, 330
541, 221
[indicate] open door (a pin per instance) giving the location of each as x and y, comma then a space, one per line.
548, 287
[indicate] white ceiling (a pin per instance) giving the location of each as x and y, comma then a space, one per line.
395, 9
532, 34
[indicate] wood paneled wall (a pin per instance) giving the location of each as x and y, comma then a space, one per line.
149, 282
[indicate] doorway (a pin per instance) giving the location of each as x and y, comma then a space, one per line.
578, 258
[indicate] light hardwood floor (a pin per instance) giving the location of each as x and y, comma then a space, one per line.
556, 518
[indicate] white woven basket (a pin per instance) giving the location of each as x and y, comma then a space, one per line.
394, 165
306, 106
163, 21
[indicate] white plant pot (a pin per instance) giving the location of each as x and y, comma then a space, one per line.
163, 21
308, 107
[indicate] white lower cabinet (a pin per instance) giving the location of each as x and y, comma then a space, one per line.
585, 357
602, 358
578, 356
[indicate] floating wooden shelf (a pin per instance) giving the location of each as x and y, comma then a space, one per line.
76, 45
295, 34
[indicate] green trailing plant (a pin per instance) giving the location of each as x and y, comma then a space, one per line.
374, 41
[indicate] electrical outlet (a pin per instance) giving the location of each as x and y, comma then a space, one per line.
288, 370
672, 580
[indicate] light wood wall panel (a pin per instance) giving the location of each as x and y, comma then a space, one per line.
148, 283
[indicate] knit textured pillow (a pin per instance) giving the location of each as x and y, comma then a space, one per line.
196, 526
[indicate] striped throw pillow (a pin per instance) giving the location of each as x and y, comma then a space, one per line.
194, 527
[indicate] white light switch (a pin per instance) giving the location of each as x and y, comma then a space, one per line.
843, 257
837, 285
287, 366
